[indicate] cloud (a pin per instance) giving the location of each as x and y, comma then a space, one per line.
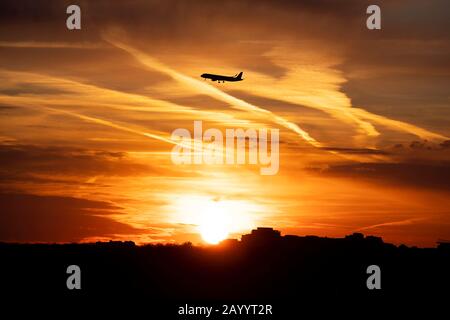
209, 90
408, 174
361, 151
32, 218
313, 80
50, 45
32, 89
114, 125
391, 223
20, 160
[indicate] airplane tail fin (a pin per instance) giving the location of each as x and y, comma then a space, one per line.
239, 76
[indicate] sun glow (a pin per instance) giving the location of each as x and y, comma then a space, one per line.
214, 225
215, 219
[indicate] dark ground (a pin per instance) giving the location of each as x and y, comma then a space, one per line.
291, 273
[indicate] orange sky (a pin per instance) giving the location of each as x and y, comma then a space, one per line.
86, 118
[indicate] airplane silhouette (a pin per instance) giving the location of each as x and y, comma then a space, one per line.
219, 78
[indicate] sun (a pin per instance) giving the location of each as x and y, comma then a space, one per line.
214, 219
213, 232
214, 225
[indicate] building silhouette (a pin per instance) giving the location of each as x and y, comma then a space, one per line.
261, 236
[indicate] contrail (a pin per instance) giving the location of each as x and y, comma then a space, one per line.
210, 90
90, 92
399, 125
189, 145
336, 104
109, 98
392, 223
114, 125
361, 117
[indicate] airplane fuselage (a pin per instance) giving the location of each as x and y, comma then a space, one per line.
219, 78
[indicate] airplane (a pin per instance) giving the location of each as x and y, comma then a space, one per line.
219, 78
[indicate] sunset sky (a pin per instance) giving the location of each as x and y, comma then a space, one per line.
86, 118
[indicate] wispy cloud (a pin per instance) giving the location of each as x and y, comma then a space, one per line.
57, 91
392, 223
51, 45
114, 125
319, 87
209, 90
